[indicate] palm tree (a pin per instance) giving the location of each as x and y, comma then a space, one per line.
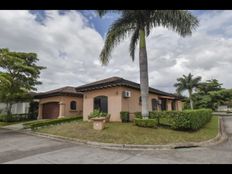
187, 83
139, 23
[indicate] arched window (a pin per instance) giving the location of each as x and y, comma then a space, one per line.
73, 105
101, 103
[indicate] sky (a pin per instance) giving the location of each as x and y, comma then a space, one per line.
68, 43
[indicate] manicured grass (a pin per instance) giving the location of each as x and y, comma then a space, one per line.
128, 133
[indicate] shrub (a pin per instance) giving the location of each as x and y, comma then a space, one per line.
124, 116
138, 115
145, 122
164, 117
5, 118
47, 122
183, 120
14, 117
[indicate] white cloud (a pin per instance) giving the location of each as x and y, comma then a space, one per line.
67, 34
69, 47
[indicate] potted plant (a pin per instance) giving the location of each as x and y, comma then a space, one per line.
98, 118
106, 116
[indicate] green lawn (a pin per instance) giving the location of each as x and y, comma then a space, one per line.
127, 133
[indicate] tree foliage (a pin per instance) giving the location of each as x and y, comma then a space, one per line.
131, 21
188, 83
18, 76
210, 94
209, 85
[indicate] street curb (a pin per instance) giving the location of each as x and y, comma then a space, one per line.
221, 137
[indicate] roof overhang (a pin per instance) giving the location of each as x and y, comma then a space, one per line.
45, 95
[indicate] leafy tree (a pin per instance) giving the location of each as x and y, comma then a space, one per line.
139, 23
221, 97
209, 85
202, 98
187, 83
18, 76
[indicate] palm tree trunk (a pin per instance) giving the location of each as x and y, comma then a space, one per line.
144, 84
190, 99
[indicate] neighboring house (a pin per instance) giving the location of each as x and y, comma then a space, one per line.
224, 108
17, 108
111, 95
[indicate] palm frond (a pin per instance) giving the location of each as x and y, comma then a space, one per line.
133, 43
181, 21
117, 32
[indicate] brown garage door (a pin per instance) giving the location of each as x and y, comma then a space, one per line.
50, 110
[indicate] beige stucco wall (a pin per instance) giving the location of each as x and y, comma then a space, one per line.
117, 103
67, 100
131, 104
114, 102
64, 102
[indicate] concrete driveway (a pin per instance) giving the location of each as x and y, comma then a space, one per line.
20, 148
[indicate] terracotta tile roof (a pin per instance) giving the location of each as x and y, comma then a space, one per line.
118, 81
67, 90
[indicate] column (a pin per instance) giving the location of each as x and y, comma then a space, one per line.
40, 114
62, 107
169, 105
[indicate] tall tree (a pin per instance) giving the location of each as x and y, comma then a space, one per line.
209, 85
221, 97
206, 95
18, 76
139, 23
187, 83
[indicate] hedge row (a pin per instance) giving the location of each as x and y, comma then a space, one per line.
181, 120
145, 122
47, 122
14, 117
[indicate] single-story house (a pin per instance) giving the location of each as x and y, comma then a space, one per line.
111, 95
17, 108
224, 108
20, 107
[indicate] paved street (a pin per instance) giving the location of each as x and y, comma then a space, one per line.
23, 148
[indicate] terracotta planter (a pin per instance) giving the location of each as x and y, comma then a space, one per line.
98, 123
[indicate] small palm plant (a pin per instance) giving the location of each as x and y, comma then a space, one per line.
187, 83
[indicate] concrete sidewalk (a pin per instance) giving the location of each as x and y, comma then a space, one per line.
15, 127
